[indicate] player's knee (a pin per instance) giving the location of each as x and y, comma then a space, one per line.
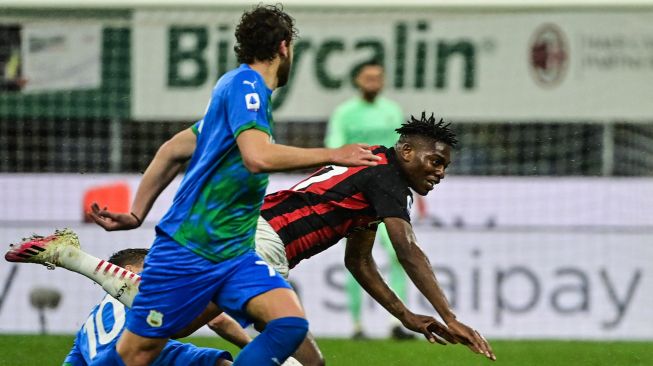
142, 358
139, 357
135, 350
292, 329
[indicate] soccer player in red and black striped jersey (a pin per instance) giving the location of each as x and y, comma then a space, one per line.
338, 202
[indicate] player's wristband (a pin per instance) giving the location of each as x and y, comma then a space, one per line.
137, 219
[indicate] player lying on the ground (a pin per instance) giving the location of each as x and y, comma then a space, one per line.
107, 321
336, 202
119, 277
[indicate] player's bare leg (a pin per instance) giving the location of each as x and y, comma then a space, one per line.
139, 351
308, 353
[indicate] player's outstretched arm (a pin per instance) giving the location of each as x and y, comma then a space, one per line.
359, 261
261, 155
165, 166
417, 266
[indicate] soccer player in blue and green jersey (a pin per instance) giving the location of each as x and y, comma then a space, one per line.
204, 246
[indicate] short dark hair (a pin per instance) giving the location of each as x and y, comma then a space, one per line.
371, 63
427, 127
131, 256
260, 31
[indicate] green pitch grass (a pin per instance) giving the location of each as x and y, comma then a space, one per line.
50, 350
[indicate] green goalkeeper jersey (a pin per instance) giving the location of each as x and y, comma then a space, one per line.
357, 120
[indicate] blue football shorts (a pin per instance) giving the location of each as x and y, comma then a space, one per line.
177, 285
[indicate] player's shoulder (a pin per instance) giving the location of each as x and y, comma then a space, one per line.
379, 150
349, 104
241, 77
389, 103
387, 167
383, 153
247, 78
245, 73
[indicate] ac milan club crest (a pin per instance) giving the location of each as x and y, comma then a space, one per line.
549, 55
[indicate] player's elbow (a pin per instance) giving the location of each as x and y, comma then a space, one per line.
254, 166
351, 264
170, 151
406, 261
405, 255
256, 163
411, 258
166, 150
179, 148
354, 264
215, 326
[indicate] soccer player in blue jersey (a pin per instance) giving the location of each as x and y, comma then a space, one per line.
107, 320
204, 246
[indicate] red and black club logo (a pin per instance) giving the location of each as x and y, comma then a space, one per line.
549, 55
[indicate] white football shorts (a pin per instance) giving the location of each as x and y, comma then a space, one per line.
270, 247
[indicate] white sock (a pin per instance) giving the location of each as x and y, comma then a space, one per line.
291, 362
116, 281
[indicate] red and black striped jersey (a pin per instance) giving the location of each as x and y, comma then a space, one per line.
333, 202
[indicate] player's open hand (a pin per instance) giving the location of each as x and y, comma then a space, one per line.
111, 221
471, 338
354, 155
433, 330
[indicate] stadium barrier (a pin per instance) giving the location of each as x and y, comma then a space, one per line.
517, 257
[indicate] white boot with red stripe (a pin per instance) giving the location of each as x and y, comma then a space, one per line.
62, 249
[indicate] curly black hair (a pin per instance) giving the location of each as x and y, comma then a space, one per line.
132, 256
428, 127
260, 31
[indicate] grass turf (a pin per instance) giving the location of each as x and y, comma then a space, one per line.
51, 349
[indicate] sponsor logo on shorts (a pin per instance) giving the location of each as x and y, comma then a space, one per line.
155, 319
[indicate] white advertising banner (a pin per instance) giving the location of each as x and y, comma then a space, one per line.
61, 57
517, 257
573, 66
508, 285
527, 284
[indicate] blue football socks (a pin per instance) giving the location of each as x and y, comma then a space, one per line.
278, 341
